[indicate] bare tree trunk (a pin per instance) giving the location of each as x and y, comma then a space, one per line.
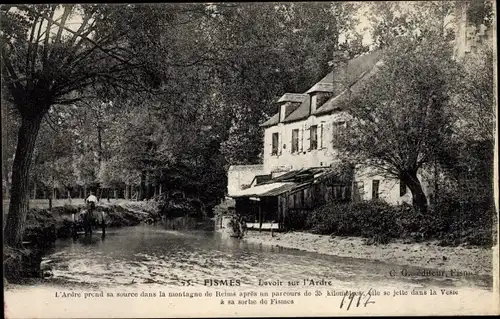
419, 200
142, 188
148, 184
7, 188
18, 207
51, 197
436, 185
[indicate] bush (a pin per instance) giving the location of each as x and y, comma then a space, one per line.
465, 221
374, 220
451, 222
296, 220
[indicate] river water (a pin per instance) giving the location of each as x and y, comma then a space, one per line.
153, 255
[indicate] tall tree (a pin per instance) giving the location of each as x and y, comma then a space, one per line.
47, 61
401, 115
269, 50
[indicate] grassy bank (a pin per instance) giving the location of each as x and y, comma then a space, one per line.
477, 260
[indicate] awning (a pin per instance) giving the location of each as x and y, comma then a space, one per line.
267, 190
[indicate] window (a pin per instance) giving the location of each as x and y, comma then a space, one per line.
375, 186
314, 137
295, 140
322, 98
275, 148
337, 129
402, 188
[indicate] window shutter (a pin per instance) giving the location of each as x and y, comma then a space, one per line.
302, 140
321, 136
307, 133
280, 142
270, 144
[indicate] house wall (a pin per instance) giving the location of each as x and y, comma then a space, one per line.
241, 175
389, 188
324, 155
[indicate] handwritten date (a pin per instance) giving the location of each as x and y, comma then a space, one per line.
357, 297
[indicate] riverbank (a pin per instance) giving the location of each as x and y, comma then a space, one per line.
426, 255
43, 227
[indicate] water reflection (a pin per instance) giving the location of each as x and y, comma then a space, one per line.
153, 255
89, 240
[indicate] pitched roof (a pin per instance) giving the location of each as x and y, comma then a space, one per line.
337, 102
292, 97
321, 87
346, 75
338, 80
272, 121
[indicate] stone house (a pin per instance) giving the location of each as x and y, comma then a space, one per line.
299, 141
301, 134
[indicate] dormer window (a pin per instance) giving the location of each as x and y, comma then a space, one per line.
289, 102
319, 94
322, 97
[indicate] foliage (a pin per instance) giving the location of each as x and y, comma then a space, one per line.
475, 106
400, 113
268, 50
453, 222
295, 219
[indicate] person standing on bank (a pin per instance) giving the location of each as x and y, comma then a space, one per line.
91, 202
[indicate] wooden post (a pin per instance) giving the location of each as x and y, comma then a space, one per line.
260, 217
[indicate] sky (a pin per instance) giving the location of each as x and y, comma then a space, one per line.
363, 27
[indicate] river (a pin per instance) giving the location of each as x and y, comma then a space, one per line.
152, 255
